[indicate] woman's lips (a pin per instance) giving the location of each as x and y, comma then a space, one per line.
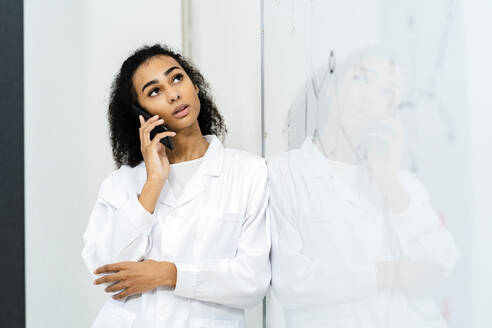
182, 113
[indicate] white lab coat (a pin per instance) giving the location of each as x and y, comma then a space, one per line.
216, 233
327, 237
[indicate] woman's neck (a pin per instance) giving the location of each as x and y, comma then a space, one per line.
189, 144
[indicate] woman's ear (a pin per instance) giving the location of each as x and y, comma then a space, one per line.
197, 89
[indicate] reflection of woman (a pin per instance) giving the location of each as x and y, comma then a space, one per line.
355, 241
181, 235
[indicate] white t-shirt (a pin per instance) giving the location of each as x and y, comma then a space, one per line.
181, 173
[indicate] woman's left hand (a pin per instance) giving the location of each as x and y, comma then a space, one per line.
136, 277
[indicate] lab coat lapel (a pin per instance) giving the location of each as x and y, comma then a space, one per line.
210, 166
193, 188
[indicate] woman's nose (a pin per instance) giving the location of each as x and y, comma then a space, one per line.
172, 95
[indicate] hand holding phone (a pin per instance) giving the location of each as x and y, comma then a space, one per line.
156, 161
166, 141
154, 153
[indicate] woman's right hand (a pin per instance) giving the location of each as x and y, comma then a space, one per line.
153, 151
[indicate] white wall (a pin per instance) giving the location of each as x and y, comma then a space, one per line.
478, 72
72, 52
56, 163
226, 39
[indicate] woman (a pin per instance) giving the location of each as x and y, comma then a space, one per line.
181, 236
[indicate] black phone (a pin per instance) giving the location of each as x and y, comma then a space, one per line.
166, 141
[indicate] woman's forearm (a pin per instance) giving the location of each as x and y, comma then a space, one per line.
150, 194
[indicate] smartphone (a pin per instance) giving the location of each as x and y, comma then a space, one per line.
166, 141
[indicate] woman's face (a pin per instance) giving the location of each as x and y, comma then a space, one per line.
162, 85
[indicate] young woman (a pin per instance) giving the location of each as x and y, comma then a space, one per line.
179, 237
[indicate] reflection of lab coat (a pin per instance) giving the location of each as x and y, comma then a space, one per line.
327, 237
216, 233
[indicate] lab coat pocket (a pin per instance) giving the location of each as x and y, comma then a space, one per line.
210, 323
217, 235
113, 316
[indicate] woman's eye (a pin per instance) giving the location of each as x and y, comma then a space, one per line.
151, 93
180, 76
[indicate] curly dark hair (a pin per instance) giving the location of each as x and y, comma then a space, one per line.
124, 124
